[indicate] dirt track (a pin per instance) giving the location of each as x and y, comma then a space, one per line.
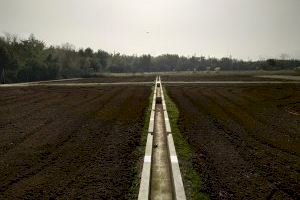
67, 143
246, 138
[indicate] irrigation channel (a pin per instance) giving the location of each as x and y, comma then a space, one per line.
161, 177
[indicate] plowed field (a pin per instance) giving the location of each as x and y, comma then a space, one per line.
113, 79
69, 142
245, 138
215, 77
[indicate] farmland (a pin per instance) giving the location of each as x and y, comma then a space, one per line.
70, 142
245, 138
75, 139
219, 76
113, 79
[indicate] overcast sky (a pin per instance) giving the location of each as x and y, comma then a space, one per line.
241, 28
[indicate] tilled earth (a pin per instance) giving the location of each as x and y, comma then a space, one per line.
69, 142
112, 79
216, 77
245, 138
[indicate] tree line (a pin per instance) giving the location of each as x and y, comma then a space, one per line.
31, 60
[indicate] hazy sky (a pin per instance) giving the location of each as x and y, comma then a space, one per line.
243, 28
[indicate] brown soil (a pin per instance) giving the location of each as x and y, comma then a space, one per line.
215, 77
111, 79
246, 138
69, 143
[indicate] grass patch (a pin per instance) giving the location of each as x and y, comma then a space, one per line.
140, 152
192, 181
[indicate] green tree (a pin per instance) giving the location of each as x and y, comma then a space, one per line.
146, 63
88, 52
4, 61
271, 62
103, 57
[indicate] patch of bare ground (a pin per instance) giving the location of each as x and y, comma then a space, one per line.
69, 142
215, 77
246, 138
112, 79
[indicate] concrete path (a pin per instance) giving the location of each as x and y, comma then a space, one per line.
38, 82
161, 185
161, 178
286, 77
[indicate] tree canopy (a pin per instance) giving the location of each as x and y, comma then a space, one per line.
31, 60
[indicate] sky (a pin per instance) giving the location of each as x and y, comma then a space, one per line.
244, 29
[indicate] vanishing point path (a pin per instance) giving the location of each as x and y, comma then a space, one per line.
161, 178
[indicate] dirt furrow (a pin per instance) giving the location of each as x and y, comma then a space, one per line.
235, 150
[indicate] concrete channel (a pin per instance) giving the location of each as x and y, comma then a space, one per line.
161, 178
